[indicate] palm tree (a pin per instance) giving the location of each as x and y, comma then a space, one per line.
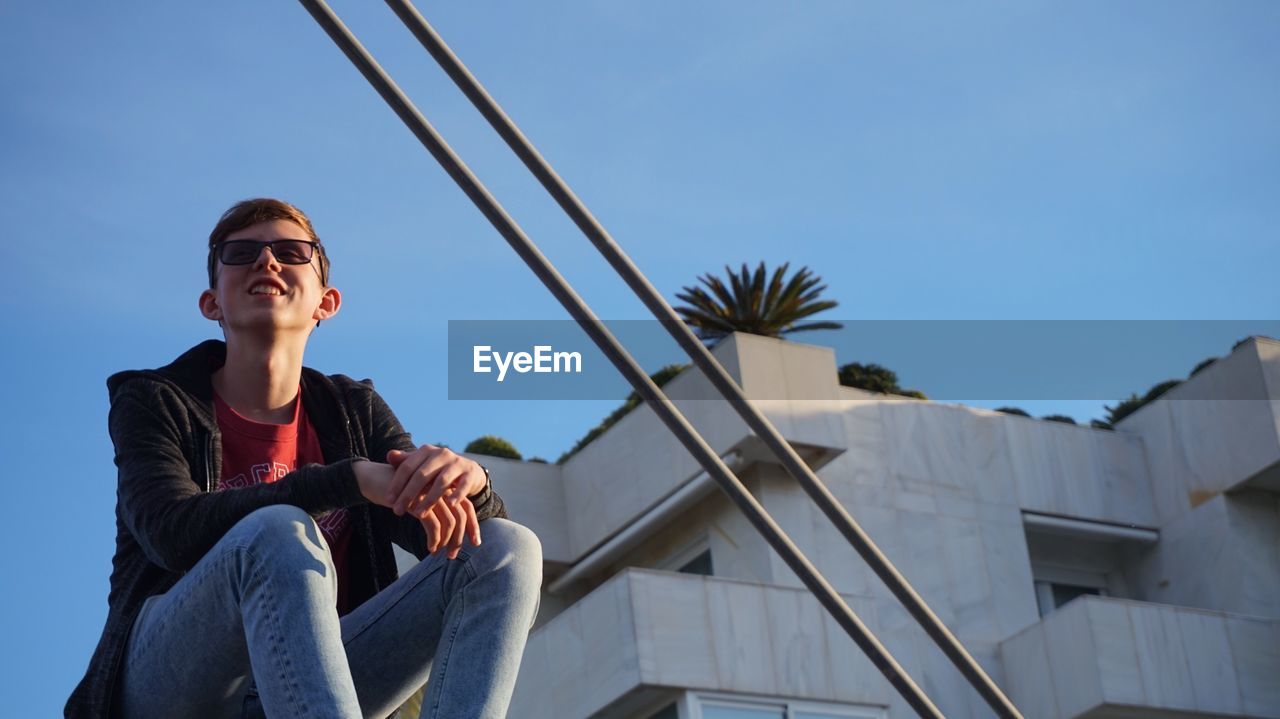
751, 305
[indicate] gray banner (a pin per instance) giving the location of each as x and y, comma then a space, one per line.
945, 359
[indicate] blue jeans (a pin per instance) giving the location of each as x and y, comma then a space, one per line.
253, 629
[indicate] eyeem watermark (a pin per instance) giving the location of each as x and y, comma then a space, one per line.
543, 360
948, 360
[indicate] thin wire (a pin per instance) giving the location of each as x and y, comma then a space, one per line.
643, 385
636, 280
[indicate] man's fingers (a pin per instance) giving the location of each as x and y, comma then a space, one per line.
447, 527
432, 529
400, 478
442, 484
473, 524
416, 480
396, 456
459, 529
445, 523
448, 523
473, 480
437, 489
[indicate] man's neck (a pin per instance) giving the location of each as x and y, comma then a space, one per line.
260, 378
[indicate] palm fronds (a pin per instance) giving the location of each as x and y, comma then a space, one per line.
756, 303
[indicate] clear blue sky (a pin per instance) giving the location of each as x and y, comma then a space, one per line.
1082, 160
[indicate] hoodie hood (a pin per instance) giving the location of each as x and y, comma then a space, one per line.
190, 374
190, 371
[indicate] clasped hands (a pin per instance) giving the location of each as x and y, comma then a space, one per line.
431, 483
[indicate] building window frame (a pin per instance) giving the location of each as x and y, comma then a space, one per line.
691, 703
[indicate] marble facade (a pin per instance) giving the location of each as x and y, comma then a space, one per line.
1190, 626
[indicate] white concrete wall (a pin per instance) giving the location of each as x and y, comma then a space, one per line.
1269, 357
582, 660
534, 496
639, 461
1224, 555
1213, 432
941, 489
966, 557
926, 454
737, 549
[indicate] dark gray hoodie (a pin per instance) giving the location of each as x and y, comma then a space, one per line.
168, 452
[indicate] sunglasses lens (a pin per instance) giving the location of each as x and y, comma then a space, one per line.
240, 252
292, 252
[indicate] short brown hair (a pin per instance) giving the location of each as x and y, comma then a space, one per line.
261, 209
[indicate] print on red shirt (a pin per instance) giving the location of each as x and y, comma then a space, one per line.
256, 452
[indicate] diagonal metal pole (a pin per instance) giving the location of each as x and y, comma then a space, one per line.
652, 299
621, 359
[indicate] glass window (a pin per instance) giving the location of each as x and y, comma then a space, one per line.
667, 712
700, 564
1052, 595
1063, 593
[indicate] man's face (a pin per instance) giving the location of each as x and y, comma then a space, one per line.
268, 295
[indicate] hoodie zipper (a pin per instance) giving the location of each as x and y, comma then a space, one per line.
208, 463
364, 510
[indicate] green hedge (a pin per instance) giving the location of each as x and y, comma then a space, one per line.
493, 446
874, 378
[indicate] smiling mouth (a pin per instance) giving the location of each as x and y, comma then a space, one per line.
269, 291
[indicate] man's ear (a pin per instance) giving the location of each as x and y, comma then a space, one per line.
330, 302
209, 306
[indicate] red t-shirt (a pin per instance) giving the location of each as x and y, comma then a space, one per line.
254, 452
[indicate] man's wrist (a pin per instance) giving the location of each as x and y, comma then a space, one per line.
481, 491
364, 480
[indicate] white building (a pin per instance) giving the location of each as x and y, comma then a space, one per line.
1092, 573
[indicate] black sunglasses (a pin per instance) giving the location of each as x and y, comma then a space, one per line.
246, 252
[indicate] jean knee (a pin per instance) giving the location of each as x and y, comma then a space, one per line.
282, 530
513, 549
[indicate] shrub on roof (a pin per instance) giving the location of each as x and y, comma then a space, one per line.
493, 446
874, 378
1203, 364
1126, 407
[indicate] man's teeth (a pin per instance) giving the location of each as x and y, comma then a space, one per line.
263, 290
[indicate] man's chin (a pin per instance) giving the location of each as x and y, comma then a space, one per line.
271, 327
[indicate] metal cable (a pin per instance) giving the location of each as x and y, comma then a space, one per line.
652, 299
622, 360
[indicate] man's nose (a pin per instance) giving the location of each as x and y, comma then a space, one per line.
267, 258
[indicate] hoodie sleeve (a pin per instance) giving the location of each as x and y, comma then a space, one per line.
167, 510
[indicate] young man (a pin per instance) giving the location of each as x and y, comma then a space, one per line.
257, 503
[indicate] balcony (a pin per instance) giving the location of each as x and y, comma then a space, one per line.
1100, 658
643, 633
